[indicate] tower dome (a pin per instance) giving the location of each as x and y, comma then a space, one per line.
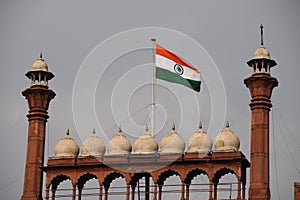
119, 144
92, 146
172, 142
227, 140
200, 141
145, 144
261, 52
40, 65
66, 147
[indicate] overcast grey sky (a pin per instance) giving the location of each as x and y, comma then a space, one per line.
67, 31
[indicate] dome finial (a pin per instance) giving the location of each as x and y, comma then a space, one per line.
41, 55
173, 126
120, 129
146, 127
68, 132
200, 125
261, 35
227, 124
94, 131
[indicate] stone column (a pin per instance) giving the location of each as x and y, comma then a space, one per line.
106, 193
155, 192
133, 192
243, 190
53, 194
210, 190
215, 191
147, 188
47, 194
187, 189
182, 190
79, 193
239, 190
127, 192
74, 192
100, 191
159, 191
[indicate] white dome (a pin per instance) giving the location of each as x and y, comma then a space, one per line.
261, 52
200, 141
92, 146
66, 147
227, 140
145, 144
172, 142
40, 65
119, 144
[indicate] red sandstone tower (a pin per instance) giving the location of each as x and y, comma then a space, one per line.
39, 97
260, 84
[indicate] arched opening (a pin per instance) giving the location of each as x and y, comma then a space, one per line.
199, 187
142, 186
88, 187
226, 184
114, 186
170, 186
228, 187
61, 187
117, 188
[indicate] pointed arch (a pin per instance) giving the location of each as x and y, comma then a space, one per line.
58, 179
222, 172
84, 178
137, 176
192, 174
110, 177
166, 174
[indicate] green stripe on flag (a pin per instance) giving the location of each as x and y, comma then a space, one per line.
169, 76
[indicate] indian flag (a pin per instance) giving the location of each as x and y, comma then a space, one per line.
170, 67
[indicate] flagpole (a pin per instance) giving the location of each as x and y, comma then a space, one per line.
153, 97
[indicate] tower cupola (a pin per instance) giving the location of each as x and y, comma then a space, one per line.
39, 74
261, 62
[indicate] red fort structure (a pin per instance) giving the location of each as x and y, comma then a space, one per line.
145, 159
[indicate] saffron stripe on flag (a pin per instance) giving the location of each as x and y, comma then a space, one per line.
165, 53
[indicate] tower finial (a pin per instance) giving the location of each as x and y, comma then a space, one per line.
94, 131
68, 131
41, 55
261, 35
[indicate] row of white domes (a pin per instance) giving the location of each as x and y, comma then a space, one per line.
146, 144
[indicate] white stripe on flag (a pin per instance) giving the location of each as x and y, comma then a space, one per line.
168, 64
